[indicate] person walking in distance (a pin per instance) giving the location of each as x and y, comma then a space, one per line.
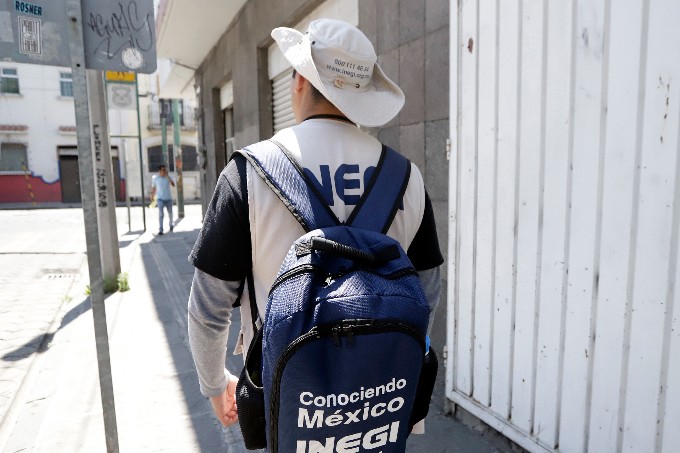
160, 188
336, 86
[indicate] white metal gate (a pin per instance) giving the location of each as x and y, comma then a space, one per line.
565, 209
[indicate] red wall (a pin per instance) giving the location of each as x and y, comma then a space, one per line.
15, 189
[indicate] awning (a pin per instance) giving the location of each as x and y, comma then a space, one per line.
185, 33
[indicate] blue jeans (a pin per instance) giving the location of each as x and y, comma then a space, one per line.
167, 204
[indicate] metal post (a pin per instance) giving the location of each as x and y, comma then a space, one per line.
103, 172
123, 149
177, 148
89, 201
164, 141
141, 159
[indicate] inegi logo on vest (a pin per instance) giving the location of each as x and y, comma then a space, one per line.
346, 179
382, 402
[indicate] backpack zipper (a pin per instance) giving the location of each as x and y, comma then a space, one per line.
298, 270
328, 277
348, 328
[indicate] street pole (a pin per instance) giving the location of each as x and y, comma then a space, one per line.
141, 158
177, 147
103, 172
89, 200
164, 142
123, 150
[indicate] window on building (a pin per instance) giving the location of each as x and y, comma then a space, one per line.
229, 140
13, 157
66, 84
9, 80
166, 110
189, 158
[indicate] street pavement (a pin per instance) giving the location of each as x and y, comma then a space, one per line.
49, 384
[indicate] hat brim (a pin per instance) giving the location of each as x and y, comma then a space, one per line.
376, 106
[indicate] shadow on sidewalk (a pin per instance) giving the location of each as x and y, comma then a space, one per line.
129, 237
169, 275
40, 343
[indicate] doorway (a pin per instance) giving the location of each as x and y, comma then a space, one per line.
70, 178
118, 188
69, 173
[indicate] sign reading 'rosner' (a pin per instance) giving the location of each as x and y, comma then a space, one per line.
364, 407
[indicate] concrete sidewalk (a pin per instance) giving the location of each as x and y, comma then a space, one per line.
158, 405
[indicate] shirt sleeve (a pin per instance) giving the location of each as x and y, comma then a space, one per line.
209, 319
223, 248
424, 250
432, 285
222, 258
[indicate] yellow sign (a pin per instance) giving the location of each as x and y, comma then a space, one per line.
115, 76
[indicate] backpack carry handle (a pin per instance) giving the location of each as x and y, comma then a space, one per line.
336, 248
383, 255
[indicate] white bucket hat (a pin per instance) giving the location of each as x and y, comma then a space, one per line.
339, 60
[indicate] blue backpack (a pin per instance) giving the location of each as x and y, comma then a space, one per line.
342, 361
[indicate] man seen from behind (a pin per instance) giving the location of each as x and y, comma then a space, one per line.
336, 86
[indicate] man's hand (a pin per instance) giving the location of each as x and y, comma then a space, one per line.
224, 404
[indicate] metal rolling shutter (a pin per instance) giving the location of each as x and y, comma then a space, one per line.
281, 106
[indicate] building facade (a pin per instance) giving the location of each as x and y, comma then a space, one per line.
38, 145
37, 134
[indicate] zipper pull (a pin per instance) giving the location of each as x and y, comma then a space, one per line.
336, 337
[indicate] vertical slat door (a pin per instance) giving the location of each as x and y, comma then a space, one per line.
617, 219
655, 242
588, 70
505, 207
467, 163
529, 179
565, 215
484, 231
554, 217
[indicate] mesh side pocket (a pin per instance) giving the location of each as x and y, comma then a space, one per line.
428, 376
250, 398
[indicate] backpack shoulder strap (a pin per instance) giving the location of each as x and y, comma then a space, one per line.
384, 193
284, 176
